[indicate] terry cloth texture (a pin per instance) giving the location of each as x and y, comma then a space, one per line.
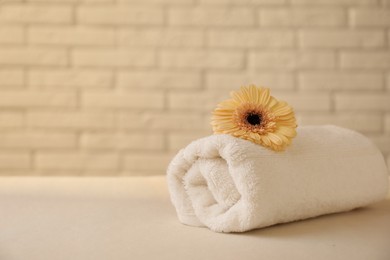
232, 185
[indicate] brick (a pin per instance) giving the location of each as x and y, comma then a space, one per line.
202, 59
302, 17
37, 99
370, 17
334, 2
200, 16
177, 140
142, 173
382, 142
250, 38
340, 81
30, 140
363, 122
70, 78
243, 2
156, 162
209, 100
305, 101
27, 14
113, 58
159, 79
128, 141
71, 36
11, 119
33, 56
191, 100
163, 121
290, 60
11, 34
64, 172
71, 1
119, 15
388, 35
135, 100
11, 77
17, 172
232, 80
365, 60
388, 81
158, 2
362, 102
388, 165
15, 160
71, 120
387, 123
161, 37
342, 39
77, 160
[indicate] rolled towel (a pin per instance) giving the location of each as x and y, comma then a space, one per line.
232, 185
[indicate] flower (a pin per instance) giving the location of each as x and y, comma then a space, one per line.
253, 114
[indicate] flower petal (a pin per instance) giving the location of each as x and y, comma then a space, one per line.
278, 121
275, 138
266, 140
264, 97
287, 131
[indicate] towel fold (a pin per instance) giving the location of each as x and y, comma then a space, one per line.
232, 185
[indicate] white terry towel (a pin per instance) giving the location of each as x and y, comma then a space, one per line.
233, 185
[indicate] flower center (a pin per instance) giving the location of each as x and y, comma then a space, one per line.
254, 119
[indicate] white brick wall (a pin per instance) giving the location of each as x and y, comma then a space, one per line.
211, 16
34, 99
31, 140
340, 80
11, 34
302, 17
199, 59
33, 56
55, 79
159, 79
292, 59
71, 36
109, 58
63, 120
119, 15
342, 38
20, 13
117, 87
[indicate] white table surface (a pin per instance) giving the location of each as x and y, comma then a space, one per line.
132, 218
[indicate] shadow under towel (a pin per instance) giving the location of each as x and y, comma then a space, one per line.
232, 185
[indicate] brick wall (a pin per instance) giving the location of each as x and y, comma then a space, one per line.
116, 87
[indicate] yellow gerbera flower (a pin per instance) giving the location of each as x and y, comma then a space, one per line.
253, 114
